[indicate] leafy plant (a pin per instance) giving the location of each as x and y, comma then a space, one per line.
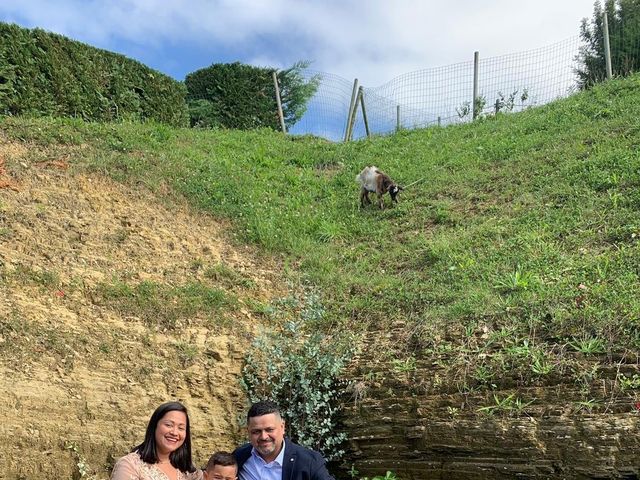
404, 365
629, 383
589, 346
81, 463
519, 279
541, 364
508, 404
300, 370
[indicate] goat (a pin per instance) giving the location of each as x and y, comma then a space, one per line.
376, 181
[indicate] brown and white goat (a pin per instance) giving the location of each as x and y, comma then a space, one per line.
372, 180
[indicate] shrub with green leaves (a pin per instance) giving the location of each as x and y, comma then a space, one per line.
300, 371
235, 95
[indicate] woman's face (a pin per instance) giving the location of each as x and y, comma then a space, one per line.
171, 432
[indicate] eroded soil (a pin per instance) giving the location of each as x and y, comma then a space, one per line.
83, 361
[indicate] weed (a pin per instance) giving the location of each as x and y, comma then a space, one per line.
629, 383
406, 365
588, 346
586, 405
541, 364
517, 280
81, 464
453, 412
187, 352
509, 404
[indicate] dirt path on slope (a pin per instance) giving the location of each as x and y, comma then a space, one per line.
85, 353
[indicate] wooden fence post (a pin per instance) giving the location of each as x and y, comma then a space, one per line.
278, 101
354, 114
364, 112
475, 84
351, 109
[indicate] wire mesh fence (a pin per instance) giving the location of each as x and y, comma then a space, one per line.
444, 95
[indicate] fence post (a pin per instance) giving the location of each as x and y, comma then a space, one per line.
351, 105
475, 84
354, 115
364, 112
439, 121
397, 118
607, 49
279, 102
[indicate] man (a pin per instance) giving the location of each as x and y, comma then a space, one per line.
269, 456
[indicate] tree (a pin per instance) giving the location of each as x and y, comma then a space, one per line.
296, 92
623, 17
235, 95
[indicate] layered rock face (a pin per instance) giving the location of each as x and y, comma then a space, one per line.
421, 429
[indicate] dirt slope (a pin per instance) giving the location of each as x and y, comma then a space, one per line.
83, 362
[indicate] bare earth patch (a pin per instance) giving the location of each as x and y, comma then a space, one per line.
81, 377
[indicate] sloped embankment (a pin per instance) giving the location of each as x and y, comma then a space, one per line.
111, 303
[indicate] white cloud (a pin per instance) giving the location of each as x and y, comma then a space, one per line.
374, 40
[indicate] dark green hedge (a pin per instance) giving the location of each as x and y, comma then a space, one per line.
236, 95
44, 73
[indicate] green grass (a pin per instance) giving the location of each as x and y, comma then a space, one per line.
165, 305
526, 223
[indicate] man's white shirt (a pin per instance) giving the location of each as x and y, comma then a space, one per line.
255, 468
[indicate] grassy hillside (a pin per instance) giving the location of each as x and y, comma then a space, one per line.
518, 249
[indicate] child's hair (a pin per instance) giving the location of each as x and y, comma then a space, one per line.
221, 458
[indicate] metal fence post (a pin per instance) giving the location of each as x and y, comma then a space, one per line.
475, 84
607, 49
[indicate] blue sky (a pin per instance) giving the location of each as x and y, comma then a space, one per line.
373, 40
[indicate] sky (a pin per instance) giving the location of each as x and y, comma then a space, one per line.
372, 40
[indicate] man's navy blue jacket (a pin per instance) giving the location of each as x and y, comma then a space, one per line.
299, 463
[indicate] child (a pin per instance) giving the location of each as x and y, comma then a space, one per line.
221, 466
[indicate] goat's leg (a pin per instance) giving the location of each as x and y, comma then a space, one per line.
381, 201
364, 197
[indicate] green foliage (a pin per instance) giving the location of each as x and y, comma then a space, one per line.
623, 18
511, 404
295, 91
589, 346
235, 95
43, 74
299, 368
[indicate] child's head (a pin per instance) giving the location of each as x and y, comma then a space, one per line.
221, 466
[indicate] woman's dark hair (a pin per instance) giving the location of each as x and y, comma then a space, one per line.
180, 458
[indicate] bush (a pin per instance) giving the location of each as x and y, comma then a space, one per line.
235, 95
301, 373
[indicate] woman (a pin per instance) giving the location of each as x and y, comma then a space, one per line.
165, 452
